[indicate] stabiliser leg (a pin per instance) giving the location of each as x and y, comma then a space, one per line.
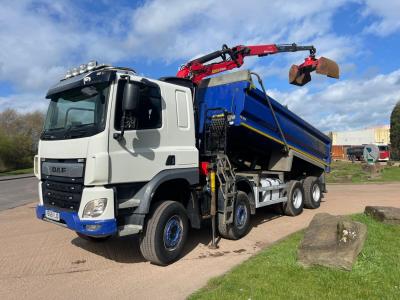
213, 208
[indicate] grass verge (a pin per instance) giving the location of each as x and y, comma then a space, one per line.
17, 172
347, 172
275, 274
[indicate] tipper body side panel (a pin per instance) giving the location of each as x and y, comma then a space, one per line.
253, 126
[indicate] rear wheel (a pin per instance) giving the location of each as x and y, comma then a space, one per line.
295, 198
165, 233
97, 239
241, 219
312, 192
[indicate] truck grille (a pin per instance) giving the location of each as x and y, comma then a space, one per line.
63, 195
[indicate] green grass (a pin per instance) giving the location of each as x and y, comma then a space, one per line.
347, 172
275, 274
17, 172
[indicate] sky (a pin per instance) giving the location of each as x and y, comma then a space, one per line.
40, 40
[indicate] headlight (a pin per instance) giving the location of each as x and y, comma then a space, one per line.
95, 208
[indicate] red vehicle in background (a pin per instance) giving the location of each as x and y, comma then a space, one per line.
384, 152
357, 152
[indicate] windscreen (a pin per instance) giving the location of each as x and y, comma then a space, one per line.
77, 113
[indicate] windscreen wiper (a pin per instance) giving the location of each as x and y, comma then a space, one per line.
77, 130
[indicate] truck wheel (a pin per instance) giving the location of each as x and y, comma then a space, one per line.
312, 192
241, 219
165, 233
96, 239
295, 198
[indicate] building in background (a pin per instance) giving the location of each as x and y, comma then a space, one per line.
342, 140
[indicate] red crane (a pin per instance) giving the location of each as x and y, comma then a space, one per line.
231, 58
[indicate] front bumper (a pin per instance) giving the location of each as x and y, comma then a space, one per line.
73, 222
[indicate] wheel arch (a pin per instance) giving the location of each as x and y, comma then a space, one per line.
164, 181
245, 185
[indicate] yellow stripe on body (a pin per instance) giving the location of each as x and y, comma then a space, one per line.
280, 142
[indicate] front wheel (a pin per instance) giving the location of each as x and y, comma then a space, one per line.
165, 233
241, 219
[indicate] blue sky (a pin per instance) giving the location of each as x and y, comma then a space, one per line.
40, 40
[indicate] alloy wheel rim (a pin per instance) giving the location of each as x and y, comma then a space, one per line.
297, 198
316, 193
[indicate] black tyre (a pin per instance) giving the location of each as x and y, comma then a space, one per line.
165, 233
295, 199
241, 219
96, 239
312, 192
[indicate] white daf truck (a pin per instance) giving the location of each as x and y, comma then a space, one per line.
121, 154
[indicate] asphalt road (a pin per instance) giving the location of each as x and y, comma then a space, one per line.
18, 192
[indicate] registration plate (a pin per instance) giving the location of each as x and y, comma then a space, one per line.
52, 215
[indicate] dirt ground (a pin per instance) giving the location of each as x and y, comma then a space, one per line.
39, 260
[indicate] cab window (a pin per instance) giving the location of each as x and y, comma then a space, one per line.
149, 112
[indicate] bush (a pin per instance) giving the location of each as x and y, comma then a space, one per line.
19, 134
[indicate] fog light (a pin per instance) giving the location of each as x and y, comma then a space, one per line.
92, 227
95, 208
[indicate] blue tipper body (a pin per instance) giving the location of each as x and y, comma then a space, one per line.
252, 112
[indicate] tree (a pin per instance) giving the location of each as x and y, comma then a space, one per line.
395, 131
19, 134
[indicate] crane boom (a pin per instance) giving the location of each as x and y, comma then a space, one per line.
231, 58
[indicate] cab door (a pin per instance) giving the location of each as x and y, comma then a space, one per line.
143, 151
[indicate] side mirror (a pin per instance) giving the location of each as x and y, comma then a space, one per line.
130, 102
130, 99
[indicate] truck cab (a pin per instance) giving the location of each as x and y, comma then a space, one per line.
97, 182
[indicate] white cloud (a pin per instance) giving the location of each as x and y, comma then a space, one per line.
24, 102
40, 39
388, 13
178, 29
346, 104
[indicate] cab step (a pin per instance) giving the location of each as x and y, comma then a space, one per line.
129, 204
129, 229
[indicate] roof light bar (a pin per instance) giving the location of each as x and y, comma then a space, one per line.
68, 74
82, 69
75, 71
91, 65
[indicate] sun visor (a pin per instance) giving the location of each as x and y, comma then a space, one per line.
86, 79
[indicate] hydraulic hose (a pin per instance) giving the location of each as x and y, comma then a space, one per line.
286, 147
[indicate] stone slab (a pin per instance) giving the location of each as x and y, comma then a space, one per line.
384, 214
332, 241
